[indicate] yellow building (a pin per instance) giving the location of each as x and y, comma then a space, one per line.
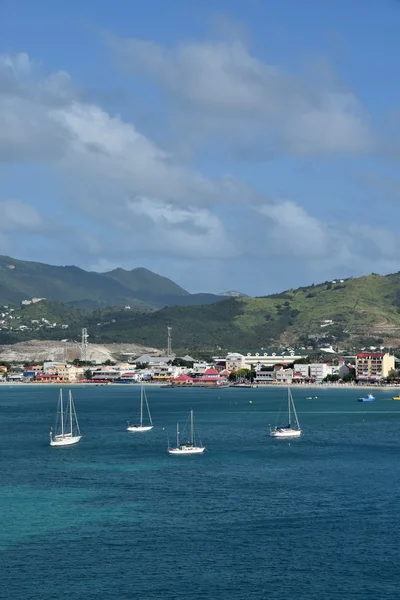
65, 372
374, 365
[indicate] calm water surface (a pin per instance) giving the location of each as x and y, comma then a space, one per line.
253, 518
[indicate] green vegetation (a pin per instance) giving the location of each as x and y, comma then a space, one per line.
349, 314
139, 288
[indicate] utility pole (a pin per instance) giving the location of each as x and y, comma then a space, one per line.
84, 345
169, 348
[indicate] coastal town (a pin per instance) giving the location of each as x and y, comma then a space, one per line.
255, 368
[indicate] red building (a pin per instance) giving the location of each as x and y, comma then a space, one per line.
183, 380
210, 376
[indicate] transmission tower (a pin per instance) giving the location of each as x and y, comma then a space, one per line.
84, 345
169, 348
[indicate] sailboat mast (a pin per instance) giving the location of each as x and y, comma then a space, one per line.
141, 406
62, 414
75, 417
70, 410
295, 414
177, 435
147, 406
288, 397
191, 428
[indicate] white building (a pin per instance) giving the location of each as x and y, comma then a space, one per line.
303, 369
200, 367
265, 377
235, 361
284, 376
271, 358
318, 371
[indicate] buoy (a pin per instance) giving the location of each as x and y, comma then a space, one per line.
250, 401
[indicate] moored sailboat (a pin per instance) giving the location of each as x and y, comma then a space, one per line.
189, 447
139, 426
67, 431
288, 431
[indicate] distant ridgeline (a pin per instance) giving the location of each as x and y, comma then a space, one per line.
338, 314
25, 281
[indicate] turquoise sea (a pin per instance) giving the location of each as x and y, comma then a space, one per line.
253, 518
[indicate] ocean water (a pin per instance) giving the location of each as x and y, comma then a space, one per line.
253, 518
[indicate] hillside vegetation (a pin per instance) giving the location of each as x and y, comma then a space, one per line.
139, 288
362, 310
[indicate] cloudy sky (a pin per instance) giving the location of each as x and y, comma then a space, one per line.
227, 144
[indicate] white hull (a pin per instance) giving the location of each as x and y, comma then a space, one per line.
286, 433
186, 450
65, 441
136, 428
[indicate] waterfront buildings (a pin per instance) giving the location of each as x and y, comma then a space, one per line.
235, 361
264, 358
318, 371
373, 366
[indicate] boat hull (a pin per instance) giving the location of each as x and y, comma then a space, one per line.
396, 398
288, 433
138, 428
65, 441
366, 399
186, 450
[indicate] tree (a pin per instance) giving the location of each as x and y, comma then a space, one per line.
180, 362
303, 361
140, 365
332, 378
247, 374
393, 374
88, 374
109, 362
350, 376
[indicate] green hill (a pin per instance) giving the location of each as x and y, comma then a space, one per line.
140, 288
349, 313
362, 309
156, 290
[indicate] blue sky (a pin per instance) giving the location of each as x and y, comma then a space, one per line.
246, 145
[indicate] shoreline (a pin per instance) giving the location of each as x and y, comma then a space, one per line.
304, 386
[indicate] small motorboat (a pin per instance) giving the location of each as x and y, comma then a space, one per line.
396, 398
369, 398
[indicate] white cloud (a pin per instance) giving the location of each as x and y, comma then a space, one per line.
223, 85
18, 216
294, 231
127, 201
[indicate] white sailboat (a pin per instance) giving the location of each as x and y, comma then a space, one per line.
140, 426
189, 447
288, 431
67, 427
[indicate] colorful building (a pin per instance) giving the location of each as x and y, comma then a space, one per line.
183, 380
373, 366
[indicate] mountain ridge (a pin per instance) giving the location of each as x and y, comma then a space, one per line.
345, 314
140, 287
